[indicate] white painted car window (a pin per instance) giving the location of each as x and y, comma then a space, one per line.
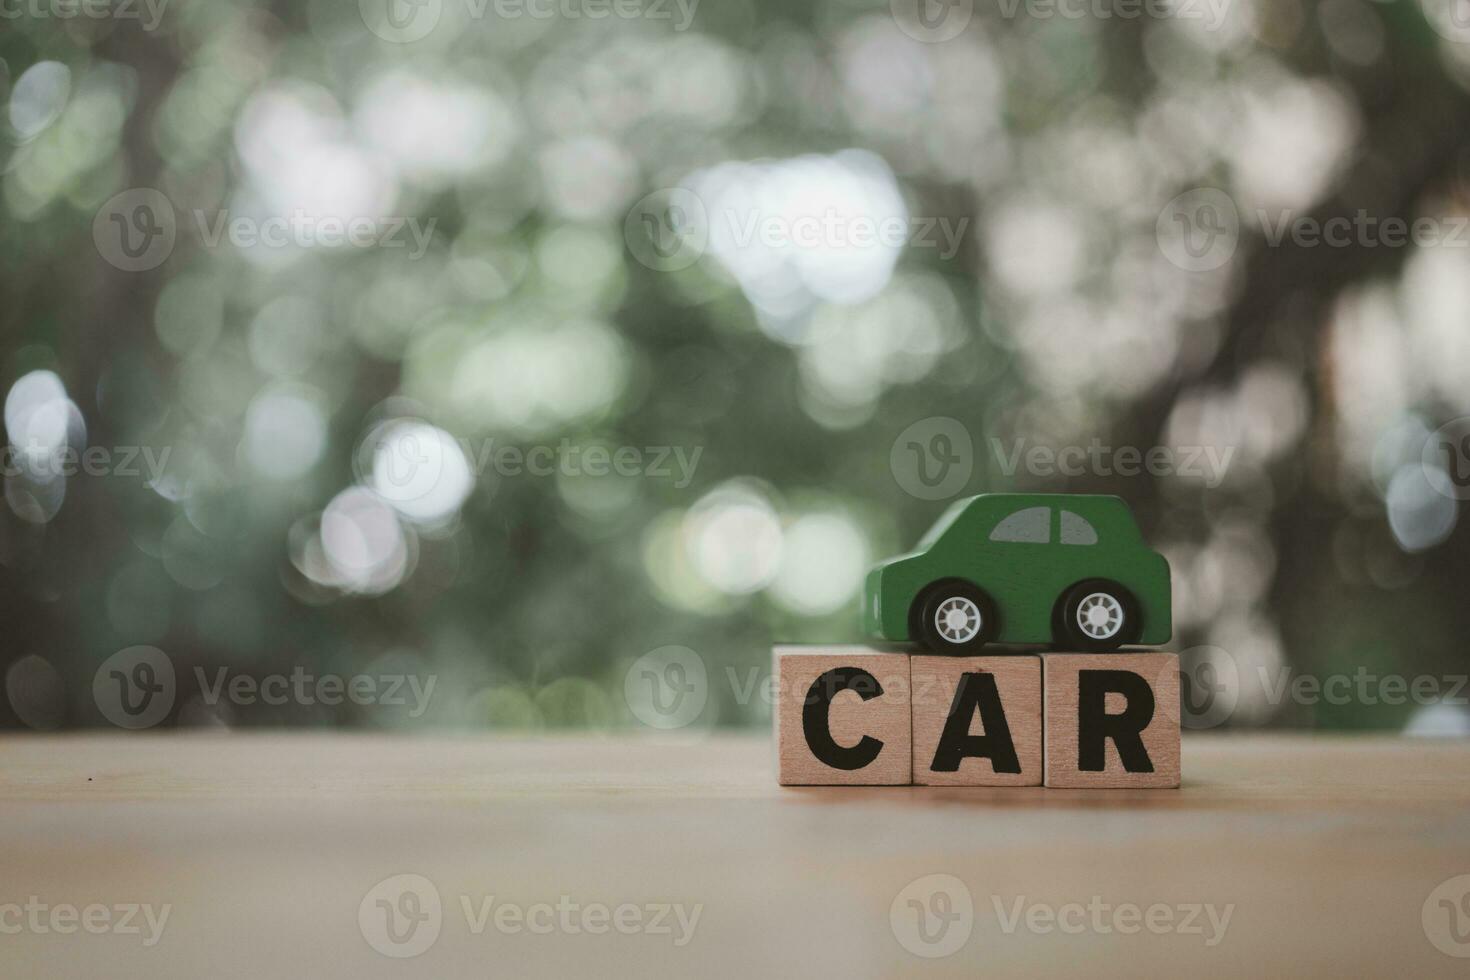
1076, 530
1029, 526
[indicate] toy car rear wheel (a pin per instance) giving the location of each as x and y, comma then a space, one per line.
1097, 615
954, 617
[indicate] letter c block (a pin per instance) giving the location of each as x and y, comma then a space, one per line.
842, 717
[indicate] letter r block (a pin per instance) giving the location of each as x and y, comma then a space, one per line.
1111, 720
842, 716
977, 720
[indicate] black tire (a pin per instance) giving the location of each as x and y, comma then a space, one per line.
926, 610
1068, 631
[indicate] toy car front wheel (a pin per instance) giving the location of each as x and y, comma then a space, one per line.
1098, 615
954, 617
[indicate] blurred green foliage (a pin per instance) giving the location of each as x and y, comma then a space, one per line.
416, 274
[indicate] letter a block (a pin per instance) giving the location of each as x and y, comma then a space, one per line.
1111, 719
842, 716
977, 720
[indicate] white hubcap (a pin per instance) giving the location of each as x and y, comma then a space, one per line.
1100, 616
958, 619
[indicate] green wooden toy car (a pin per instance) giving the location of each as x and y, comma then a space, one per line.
1065, 569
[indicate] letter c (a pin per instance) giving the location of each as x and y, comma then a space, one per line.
815, 716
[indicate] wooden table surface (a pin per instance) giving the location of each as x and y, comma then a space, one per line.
1331, 855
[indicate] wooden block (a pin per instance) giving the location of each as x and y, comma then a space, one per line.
842, 716
976, 720
1111, 719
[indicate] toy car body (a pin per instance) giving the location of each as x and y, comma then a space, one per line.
1064, 569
